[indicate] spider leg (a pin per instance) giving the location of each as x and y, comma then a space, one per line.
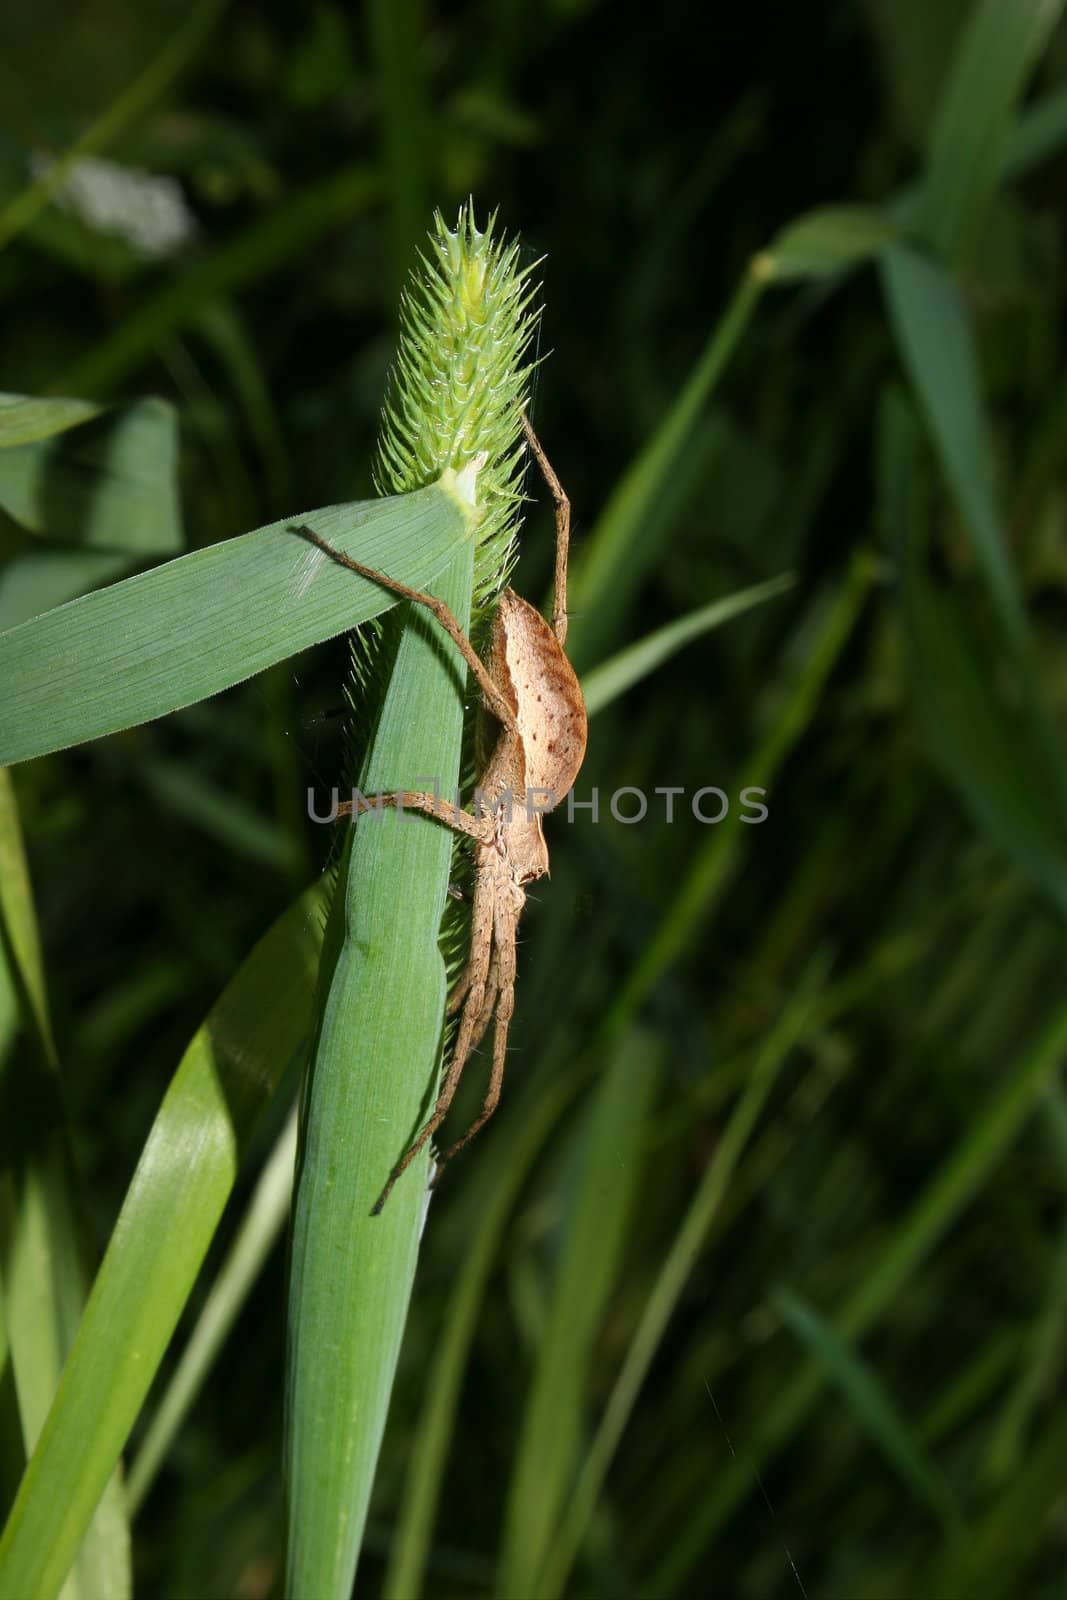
482, 919
462, 984
443, 613
506, 923
563, 531
492, 992
435, 806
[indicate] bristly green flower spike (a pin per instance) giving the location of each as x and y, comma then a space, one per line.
461, 378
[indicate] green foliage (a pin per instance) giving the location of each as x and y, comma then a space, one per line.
778, 1181
458, 385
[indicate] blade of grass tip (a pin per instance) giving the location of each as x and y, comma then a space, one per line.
613, 677
260, 1230
120, 114
43, 1278
182, 1182
595, 1231
24, 419
506, 1166
828, 241
205, 621
718, 856
998, 49
673, 1276
955, 1185
616, 554
871, 1405
397, 30
459, 384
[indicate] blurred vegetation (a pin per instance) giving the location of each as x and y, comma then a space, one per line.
761, 1270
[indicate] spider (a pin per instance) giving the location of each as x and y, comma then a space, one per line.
533, 691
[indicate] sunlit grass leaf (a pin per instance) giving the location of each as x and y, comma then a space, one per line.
997, 50
182, 1182
201, 623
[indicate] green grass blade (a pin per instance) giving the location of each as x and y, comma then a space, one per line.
264, 1221
832, 624
26, 420
1019, 1527
936, 348
986, 751
595, 1233
618, 552
997, 51
43, 1277
870, 1404
373, 1069
673, 1276
612, 678
177, 1195
830, 240
990, 1131
456, 392
505, 1169
1037, 133
980, 746
18, 921
43, 577
109, 483
194, 626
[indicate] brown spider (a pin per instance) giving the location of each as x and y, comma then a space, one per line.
531, 688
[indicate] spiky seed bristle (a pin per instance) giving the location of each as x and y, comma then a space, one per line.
460, 380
